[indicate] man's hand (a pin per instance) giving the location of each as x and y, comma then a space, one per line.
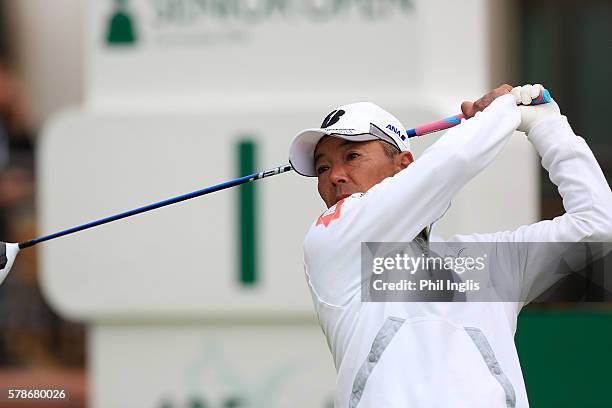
533, 114
469, 109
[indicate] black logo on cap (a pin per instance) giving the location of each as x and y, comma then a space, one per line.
332, 118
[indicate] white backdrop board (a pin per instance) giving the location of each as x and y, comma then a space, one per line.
151, 53
179, 260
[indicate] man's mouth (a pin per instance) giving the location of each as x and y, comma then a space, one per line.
341, 196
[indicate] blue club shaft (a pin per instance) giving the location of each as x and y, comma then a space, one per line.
159, 204
544, 97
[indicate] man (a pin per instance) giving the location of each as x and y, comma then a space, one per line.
433, 354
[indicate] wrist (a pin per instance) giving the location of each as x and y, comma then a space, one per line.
549, 122
549, 131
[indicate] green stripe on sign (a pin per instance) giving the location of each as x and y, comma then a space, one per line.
247, 226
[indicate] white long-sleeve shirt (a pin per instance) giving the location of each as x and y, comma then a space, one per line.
435, 354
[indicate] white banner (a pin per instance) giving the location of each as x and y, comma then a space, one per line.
161, 53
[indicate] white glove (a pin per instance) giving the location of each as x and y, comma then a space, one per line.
531, 115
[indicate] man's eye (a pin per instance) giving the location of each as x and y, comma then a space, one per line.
322, 169
352, 156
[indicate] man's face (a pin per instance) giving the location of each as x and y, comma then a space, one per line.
344, 168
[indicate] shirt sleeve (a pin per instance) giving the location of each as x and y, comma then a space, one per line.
398, 208
587, 200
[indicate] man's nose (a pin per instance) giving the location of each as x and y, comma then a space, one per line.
338, 175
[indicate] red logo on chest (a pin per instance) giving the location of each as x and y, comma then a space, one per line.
331, 214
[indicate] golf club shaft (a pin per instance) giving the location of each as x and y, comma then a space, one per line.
418, 131
232, 183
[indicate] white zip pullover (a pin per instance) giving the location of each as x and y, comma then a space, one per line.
444, 354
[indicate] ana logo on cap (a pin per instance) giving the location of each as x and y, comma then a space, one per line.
395, 130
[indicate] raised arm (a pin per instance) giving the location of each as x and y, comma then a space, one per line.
398, 208
419, 194
587, 200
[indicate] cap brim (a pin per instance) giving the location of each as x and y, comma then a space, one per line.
303, 145
301, 151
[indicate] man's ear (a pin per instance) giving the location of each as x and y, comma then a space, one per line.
403, 160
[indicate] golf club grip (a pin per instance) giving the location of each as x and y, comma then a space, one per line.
451, 121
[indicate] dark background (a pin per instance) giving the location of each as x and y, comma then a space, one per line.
566, 349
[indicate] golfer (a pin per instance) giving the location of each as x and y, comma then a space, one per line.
432, 354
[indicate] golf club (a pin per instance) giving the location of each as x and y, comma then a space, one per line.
9, 251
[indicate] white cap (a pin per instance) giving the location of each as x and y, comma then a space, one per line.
357, 122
